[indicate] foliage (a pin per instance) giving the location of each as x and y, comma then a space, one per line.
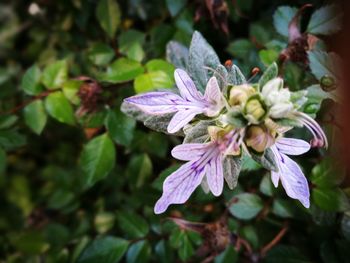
79, 178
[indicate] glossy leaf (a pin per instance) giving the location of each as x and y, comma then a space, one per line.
31, 81
35, 116
54, 75
59, 108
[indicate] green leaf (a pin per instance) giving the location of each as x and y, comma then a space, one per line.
235, 76
162, 65
139, 252
177, 54
108, 15
120, 127
105, 249
229, 255
324, 64
345, 225
266, 186
132, 224
232, 167
270, 73
267, 160
31, 81
140, 169
70, 90
201, 57
286, 254
325, 21
240, 48
6, 121
55, 74
2, 160
122, 70
30, 242
175, 7
283, 208
104, 221
97, 159
163, 252
186, 249
282, 17
59, 108
35, 116
328, 173
152, 80
10, 139
100, 54
130, 44
330, 199
268, 56
247, 206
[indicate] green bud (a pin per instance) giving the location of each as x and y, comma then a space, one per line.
311, 108
328, 83
254, 110
240, 94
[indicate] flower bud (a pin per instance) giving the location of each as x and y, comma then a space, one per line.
254, 110
328, 83
270, 89
240, 94
280, 110
258, 138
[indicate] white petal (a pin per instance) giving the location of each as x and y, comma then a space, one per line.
271, 86
292, 146
215, 176
189, 151
181, 118
186, 86
179, 186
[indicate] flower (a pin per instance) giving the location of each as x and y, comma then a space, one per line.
277, 98
290, 174
203, 160
259, 138
187, 105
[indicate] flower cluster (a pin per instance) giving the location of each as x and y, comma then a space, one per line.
245, 119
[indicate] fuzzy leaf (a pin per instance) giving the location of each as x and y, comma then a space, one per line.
232, 167
177, 54
270, 73
198, 133
267, 160
235, 76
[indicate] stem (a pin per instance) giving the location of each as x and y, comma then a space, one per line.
274, 241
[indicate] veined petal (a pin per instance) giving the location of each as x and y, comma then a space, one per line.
157, 102
293, 180
181, 118
179, 186
213, 97
275, 177
189, 151
215, 175
186, 86
292, 146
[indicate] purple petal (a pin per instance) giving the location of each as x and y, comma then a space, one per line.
181, 118
293, 180
292, 146
179, 186
189, 151
275, 178
215, 176
212, 91
157, 102
186, 86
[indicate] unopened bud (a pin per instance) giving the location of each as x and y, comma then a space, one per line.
254, 110
280, 110
258, 138
328, 83
240, 94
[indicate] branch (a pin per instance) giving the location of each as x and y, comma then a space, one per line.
274, 241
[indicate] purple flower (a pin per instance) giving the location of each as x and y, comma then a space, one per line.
203, 160
187, 106
320, 139
290, 174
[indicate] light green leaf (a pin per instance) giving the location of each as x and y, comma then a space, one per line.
70, 90
270, 73
175, 7
55, 74
201, 57
120, 127
130, 44
100, 54
35, 116
59, 108
105, 249
108, 15
97, 159
247, 206
240, 48
325, 21
324, 64
162, 65
152, 80
268, 56
282, 17
31, 81
132, 224
122, 70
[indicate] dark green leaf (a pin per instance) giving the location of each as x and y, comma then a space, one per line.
282, 17
97, 159
59, 108
325, 21
175, 7
35, 116
108, 15
330, 199
132, 224
10, 139
139, 252
229, 255
324, 64
246, 206
140, 169
240, 48
286, 254
105, 249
